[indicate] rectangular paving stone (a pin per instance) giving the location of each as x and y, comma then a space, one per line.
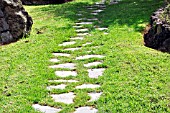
82, 34
84, 23
61, 86
54, 60
82, 30
73, 49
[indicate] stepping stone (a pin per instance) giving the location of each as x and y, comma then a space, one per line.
46, 109
66, 65
92, 64
90, 19
79, 14
86, 110
94, 96
61, 86
97, 11
54, 60
82, 30
91, 8
61, 54
84, 23
66, 98
65, 73
67, 43
106, 33
88, 43
77, 27
95, 73
102, 29
65, 81
77, 38
82, 34
87, 86
72, 49
89, 56
94, 13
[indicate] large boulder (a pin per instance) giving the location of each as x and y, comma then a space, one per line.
15, 22
158, 35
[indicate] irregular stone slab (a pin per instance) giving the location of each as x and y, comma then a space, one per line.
89, 19
77, 27
61, 86
54, 60
97, 11
92, 64
94, 13
66, 98
79, 14
87, 86
106, 33
84, 23
73, 49
89, 56
102, 29
88, 43
61, 54
46, 109
65, 73
65, 81
94, 96
86, 110
82, 34
91, 8
67, 43
95, 73
66, 65
77, 38
82, 30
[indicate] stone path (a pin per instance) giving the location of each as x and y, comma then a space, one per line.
95, 73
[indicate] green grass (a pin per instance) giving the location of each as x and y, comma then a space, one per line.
136, 79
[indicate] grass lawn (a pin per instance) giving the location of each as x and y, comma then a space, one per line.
137, 78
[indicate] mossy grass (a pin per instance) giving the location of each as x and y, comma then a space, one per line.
136, 78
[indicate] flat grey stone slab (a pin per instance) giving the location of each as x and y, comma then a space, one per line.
65, 73
87, 86
61, 54
94, 13
61, 86
77, 38
45, 109
88, 43
84, 23
89, 56
92, 64
73, 49
64, 81
86, 110
97, 11
79, 14
106, 33
66, 98
88, 19
82, 30
67, 43
91, 8
82, 34
77, 27
102, 29
94, 96
54, 60
66, 65
95, 73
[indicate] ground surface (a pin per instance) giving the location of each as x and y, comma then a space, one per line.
135, 78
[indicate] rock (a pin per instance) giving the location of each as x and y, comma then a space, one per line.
158, 34
15, 22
